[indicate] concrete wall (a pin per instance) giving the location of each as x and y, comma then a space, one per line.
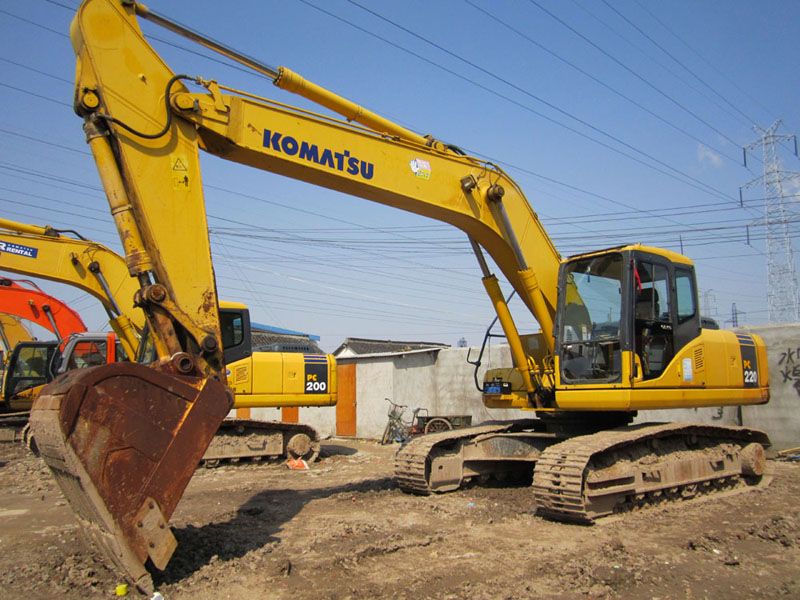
442, 381
780, 418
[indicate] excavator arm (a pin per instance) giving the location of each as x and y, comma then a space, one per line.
153, 149
48, 254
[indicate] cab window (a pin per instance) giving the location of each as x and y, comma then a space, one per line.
653, 331
684, 284
232, 329
87, 354
590, 323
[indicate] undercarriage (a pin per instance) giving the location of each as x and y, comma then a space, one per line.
580, 476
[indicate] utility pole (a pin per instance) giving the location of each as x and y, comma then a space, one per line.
734, 316
783, 291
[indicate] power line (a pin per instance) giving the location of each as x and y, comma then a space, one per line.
667, 68
33, 70
602, 83
46, 142
12, 87
748, 120
670, 171
633, 158
632, 72
34, 23
700, 55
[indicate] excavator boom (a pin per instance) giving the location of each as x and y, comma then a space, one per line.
38, 307
12, 331
81, 263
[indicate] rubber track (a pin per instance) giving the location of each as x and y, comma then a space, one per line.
410, 462
559, 474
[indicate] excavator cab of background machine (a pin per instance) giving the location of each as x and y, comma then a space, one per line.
28, 367
88, 352
234, 325
235, 332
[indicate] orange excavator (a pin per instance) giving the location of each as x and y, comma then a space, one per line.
31, 363
34, 305
28, 364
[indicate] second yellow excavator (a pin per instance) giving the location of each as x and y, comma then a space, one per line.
620, 328
258, 378
12, 331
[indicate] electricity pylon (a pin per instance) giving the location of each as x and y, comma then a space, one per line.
783, 291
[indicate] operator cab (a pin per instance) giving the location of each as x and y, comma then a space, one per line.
28, 367
234, 320
631, 302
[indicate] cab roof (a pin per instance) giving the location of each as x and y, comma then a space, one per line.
674, 257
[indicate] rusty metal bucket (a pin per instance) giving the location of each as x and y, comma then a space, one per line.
123, 441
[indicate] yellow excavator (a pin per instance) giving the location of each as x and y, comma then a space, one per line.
12, 331
620, 328
258, 378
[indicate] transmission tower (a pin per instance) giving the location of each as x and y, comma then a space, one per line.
708, 302
734, 316
783, 291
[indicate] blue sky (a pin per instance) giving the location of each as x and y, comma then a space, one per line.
623, 122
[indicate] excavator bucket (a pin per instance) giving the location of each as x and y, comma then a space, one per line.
123, 441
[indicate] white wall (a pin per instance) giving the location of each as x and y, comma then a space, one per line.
439, 380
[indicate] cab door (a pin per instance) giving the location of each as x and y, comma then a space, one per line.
665, 315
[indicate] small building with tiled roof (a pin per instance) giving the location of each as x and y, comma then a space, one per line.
354, 347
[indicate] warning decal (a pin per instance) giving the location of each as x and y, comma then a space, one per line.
180, 172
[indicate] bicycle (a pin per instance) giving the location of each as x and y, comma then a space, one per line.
398, 429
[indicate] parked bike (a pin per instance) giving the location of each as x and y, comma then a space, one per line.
400, 430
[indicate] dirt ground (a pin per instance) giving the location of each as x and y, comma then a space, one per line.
342, 530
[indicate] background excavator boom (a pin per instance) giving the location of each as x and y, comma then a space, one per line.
80, 263
13, 331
